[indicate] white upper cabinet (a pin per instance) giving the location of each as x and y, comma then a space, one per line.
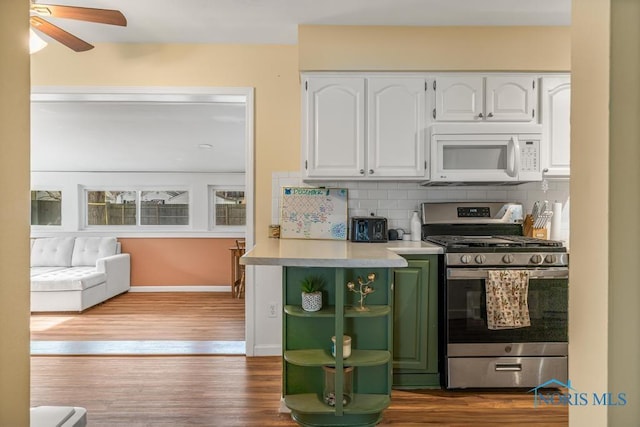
396, 127
476, 98
350, 132
459, 98
333, 127
556, 107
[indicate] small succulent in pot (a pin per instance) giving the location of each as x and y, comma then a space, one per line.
311, 293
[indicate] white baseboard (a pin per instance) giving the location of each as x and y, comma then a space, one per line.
180, 289
267, 350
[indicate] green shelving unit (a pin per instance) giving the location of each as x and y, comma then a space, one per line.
307, 347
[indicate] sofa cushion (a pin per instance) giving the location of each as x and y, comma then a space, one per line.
52, 252
36, 271
69, 279
87, 250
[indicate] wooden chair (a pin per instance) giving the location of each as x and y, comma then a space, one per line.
237, 288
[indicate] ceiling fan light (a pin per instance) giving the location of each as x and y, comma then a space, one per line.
41, 10
35, 42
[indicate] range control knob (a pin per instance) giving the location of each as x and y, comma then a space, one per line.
481, 259
508, 259
537, 259
465, 259
551, 259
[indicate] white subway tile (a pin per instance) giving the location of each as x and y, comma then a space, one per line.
377, 194
368, 204
387, 185
409, 205
387, 204
497, 195
365, 185
398, 214
476, 195
418, 194
398, 194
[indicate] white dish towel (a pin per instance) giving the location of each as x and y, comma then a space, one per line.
507, 306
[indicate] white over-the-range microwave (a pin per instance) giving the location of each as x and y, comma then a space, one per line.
484, 153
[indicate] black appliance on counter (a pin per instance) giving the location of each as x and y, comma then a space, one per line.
368, 229
477, 238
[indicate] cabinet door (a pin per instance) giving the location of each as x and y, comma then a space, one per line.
415, 317
334, 127
556, 106
396, 127
510, 98
459, 98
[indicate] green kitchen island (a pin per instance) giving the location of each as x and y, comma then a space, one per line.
311, 374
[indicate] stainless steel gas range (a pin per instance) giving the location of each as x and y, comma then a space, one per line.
481, 241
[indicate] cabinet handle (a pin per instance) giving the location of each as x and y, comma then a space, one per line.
361, 171
480, 115
490, 115
370, 171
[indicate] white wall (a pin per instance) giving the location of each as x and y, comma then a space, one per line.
73, 185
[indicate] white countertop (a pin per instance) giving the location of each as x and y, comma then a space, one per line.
333, 253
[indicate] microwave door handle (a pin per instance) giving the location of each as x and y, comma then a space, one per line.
513, 153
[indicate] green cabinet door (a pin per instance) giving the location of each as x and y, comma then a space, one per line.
415, 323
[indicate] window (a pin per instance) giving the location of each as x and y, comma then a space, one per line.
46, 207
230, 208
157, 207
164, 208
111, 207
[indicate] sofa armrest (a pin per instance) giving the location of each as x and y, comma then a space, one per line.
118, 271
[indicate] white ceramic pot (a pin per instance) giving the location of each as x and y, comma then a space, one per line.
312, 301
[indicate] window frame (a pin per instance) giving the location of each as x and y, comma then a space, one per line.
211, 191
138, 226
62, 210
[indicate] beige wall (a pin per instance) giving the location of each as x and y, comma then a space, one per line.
271, 70
434, 48
589, 193
14, 215
624, 234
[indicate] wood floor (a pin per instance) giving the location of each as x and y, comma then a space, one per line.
239, 391
217, 390
189, 316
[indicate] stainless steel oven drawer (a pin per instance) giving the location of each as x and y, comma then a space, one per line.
472, 372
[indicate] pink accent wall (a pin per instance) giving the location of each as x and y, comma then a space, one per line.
179, 261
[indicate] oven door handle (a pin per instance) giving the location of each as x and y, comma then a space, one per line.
483, 273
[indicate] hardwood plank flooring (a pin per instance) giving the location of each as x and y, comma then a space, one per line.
238, 391
187, 316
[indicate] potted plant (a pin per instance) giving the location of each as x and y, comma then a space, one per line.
311, 293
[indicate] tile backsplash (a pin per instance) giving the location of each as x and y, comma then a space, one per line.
397, 200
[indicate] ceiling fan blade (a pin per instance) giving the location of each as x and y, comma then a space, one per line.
101, 16
57, 33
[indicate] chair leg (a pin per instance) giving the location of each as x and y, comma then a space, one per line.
240, 290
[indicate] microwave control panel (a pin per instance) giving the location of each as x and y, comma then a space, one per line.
529, 155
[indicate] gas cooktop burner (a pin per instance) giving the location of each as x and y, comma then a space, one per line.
453, 242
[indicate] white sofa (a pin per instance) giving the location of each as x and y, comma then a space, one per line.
75, 273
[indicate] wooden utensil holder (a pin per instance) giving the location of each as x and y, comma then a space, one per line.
530, 231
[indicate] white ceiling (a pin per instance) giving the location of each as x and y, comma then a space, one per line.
137, 136
276, 21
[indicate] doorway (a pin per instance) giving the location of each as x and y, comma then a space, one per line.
208, 151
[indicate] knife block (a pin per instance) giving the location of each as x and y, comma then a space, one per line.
530, 231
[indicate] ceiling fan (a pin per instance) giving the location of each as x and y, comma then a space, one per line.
102, 16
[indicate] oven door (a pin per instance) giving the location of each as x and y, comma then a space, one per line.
467, 333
